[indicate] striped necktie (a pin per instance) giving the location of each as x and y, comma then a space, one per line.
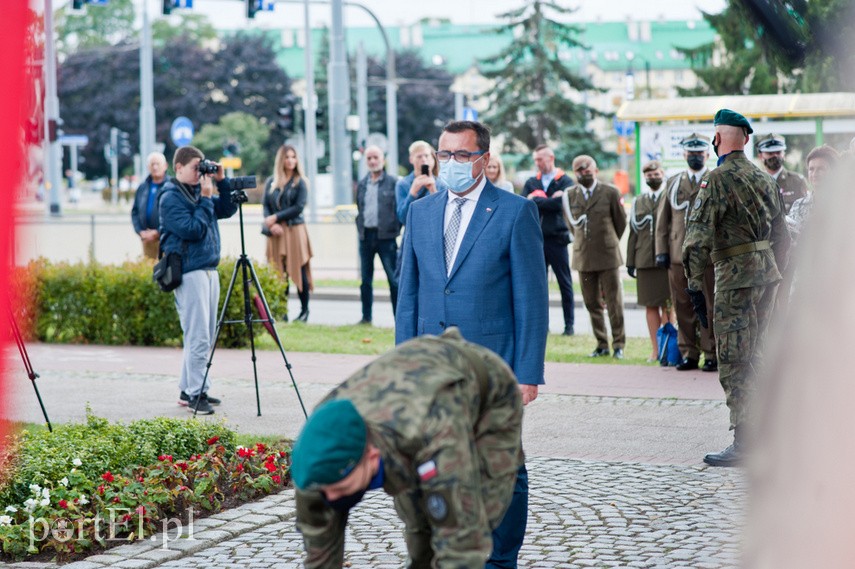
450, 236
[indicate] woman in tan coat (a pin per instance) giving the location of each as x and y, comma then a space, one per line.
288, 246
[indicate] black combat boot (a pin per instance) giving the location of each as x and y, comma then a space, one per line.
733, 455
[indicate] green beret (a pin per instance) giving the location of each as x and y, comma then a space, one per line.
330, 445
731, 118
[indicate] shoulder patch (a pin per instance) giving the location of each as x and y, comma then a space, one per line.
698, 203
428, 469
704, 183
437, 507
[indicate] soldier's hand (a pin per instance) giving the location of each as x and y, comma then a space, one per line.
699, 305
663, 261
631, 271
528, 392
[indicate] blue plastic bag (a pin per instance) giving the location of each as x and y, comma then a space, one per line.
666, 340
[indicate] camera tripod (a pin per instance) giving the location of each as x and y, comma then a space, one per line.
32, 375
248, 276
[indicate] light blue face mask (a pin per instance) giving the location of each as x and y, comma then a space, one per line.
456, 175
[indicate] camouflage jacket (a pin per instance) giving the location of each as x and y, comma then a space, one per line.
446, 416
737, 204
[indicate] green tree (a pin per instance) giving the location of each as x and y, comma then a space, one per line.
196, 28
98, 26
241, 128
532, 101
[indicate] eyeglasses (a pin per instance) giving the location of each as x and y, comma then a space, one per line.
461, 156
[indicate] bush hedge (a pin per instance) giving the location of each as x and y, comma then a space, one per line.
120, 304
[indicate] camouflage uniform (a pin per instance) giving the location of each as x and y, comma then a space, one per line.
433, 401
737, 221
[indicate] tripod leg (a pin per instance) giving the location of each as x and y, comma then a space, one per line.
244, 262
31, 374
276, 339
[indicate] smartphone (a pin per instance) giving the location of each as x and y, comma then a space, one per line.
425, 170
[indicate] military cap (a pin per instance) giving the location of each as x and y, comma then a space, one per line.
771, 143
732, 118
651, 166
695, 142
330, 445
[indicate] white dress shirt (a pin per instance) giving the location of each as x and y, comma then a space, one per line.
466, 213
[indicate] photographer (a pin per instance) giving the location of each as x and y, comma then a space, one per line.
188, 225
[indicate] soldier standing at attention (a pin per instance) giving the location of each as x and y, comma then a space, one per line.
737, 220
670, 232
771, 149
435, 423
653, 290
594, 212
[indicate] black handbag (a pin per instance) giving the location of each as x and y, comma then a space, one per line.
167, 271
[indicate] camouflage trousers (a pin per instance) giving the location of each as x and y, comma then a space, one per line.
741, 322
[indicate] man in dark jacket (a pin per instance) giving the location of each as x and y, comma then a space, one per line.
188, 225
144, 214
551, 183
378, 227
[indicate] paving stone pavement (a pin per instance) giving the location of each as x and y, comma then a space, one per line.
581, 514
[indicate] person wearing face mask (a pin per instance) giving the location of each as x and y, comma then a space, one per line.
435, 423
468, 262
770, 149
737, 221
594, 212
653, 289
681, 190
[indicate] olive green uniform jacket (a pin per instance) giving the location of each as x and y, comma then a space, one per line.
446, 416
597, 225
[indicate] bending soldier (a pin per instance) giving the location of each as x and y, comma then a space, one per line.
435, 423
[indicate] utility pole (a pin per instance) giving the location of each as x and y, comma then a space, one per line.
339, 103
147, 117
310, 132
362, 105
52, 164
114, 165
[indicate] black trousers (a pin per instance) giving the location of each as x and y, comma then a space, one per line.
555, 253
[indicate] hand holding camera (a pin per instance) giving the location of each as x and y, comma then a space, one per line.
208, 167
424, 180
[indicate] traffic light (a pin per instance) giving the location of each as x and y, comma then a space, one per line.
320, 119
252, 7
287, 115
78, 7
167, 7
231, 148
124, 143
54, 132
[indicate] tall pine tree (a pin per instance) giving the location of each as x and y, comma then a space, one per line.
532, 100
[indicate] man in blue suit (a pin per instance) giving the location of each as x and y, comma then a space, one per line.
473, 258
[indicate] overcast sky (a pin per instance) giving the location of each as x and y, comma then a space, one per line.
230, 13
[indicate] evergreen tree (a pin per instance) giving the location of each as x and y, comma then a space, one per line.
532, 100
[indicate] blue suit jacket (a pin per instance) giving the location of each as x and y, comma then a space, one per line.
496, 292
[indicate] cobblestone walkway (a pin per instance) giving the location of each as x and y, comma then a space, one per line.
581, 514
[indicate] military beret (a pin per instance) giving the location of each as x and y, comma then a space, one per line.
731, 118
695, 142
651, 166
330, 445
771, 143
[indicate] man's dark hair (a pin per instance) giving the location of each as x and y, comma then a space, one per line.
824, 152
482, 132
540, 147
185, 155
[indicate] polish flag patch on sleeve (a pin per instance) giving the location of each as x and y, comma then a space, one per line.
427, 470
703, 184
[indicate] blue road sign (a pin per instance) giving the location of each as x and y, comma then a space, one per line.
181, 131
624, 128
469, 114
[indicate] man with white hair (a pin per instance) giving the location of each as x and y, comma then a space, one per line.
145, 214
378, 227
737, 220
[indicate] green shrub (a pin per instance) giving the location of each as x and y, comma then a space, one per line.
101, 446
120, 304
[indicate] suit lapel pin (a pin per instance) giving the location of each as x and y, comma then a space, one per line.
489, 209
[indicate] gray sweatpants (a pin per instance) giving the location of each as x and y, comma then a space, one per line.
196, 300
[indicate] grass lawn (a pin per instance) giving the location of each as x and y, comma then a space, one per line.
629, 286
368, 340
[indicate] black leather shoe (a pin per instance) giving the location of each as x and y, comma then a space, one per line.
568, 331
599, 352
364, 322
303, 317
618, 355
687, 364
710, 365
731, 456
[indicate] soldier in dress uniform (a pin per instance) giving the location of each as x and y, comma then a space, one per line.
653, 289
737, 220
436, 423
594, 212
670, 232
770, 148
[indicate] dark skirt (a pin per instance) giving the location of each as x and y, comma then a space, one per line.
653, 287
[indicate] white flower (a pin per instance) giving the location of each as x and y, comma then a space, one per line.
83, 500
30, 504
46, 493
5, 520
45, 502
77, 462
35, 488
64, 481
11, 509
